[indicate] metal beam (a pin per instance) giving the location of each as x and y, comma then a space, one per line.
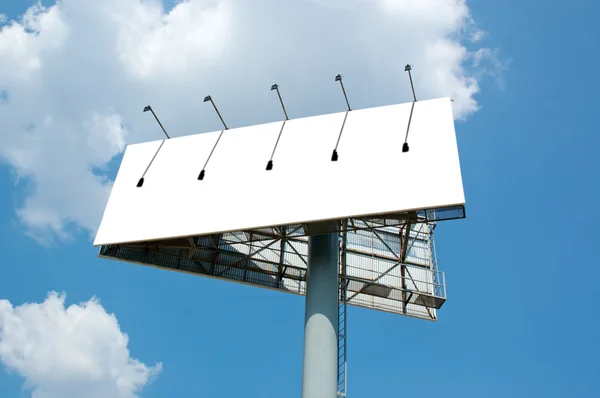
404, 247
281, 256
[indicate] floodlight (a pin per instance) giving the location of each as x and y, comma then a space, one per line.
147, 108
270, 162
334, 154
203, 172
408, 68
140, 182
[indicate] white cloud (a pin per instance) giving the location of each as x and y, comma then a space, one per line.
75, 76
77, 352
488, 62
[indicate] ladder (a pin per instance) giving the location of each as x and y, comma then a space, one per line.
342, 367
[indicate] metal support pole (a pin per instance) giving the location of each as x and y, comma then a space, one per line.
320, 362
405, 147
334, 154
149, 108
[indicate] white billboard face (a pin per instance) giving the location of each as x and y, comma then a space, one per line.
371, 176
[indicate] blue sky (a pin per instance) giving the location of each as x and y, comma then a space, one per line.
521, 317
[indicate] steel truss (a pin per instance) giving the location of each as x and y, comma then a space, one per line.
386, 267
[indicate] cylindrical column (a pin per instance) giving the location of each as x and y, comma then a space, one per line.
320, 362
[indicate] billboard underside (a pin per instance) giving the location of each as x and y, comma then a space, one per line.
376, 275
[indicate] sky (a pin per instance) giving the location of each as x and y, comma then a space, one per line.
522, 315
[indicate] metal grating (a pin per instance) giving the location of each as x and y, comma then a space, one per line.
387, 267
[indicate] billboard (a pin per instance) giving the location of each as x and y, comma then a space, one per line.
372, 177
247, 224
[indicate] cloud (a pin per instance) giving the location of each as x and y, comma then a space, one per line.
487, 62
77, 351
76, 75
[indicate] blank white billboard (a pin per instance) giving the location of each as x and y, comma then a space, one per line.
371, 176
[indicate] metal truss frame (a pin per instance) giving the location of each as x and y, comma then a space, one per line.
276, 258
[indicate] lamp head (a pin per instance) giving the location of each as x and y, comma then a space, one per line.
147, 108
274, 87
207, 98
338, 78
407, 68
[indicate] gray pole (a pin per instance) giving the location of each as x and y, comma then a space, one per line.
320, 362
